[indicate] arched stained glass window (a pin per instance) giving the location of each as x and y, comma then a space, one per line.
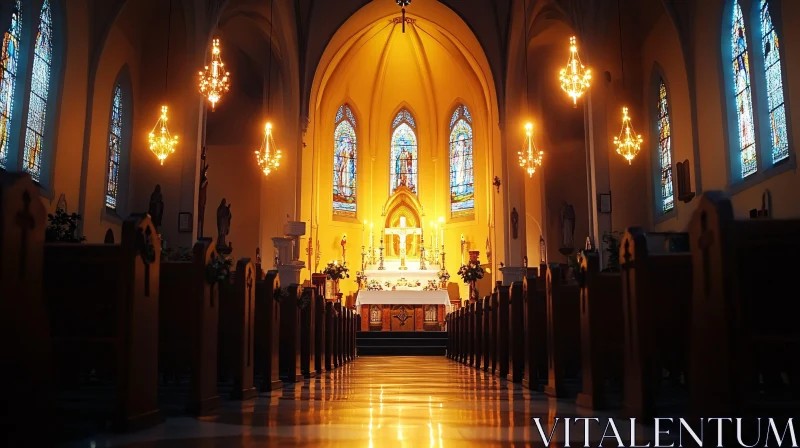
462, 178
743, 94
345, 163
772, 72
9, 56
665, 149
40, 87
114, 148
403, 167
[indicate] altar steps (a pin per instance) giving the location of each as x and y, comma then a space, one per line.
401, 343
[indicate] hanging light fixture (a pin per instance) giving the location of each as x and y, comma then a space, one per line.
575, 78
628, 143
402, 4
162, 144
530, 158
214, 80
268, 156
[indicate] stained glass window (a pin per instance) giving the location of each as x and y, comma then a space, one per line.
665, 149
345, 163
772, 70
114, 148
9, 56
40, 86
742, 92
462, 179
404, 152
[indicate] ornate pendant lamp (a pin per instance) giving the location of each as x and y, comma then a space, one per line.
628, 143
530, 158
214, 80
268, 156
403, 4
575, 78
162, 144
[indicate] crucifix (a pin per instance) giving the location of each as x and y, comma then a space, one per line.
403, 231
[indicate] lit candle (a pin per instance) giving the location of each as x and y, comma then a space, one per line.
441, 224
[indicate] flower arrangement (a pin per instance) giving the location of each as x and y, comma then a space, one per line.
62, 227
336, 271
374, 285
444, 276
471, 272
218, 269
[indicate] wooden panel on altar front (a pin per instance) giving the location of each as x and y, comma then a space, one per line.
402, 318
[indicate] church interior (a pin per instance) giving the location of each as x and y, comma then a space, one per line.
257, 222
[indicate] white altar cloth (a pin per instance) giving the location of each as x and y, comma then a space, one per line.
411, 275
439, 297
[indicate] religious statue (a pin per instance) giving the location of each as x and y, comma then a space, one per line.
514, 223
201, 198
223, 223
156, 209
62, 203
496, 183
567, 219
344, 248
542, 250
525, 261
488, 250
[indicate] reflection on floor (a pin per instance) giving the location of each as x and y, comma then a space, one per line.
372, 402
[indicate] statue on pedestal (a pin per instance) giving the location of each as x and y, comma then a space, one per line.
223, 226
156, 208
567, 219
344, 249
514, 223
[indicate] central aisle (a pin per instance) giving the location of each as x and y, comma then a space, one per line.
372, 402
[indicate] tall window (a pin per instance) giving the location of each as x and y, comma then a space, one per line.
9, 55
345, 163
665, 149
114, 148
404, 152
40, 86
744, 100
772, 71
462, 179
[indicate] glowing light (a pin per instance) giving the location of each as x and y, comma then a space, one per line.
214, 80
530, 158
575, 78
628, 143
162, 144
268, 156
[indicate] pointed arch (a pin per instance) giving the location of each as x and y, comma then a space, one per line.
774, 84
404, 153
664, 149
345, 163
39, 94
9, 59
462, 173
743, 93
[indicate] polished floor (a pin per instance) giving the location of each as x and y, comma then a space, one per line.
372, 402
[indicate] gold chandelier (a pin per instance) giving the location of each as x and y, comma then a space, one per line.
268, 156
214, 80
529, 157
628, 143
575, 78
162, 144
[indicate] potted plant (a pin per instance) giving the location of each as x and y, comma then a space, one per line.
62, 227
470, 273
612, 240
336, 272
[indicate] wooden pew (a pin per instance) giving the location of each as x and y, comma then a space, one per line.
494, 308
320, 329
188, 326
745, 338
267, 331
463, 332
656, 272
601, 330
289, 362
26, 363
353, 331
536, 360
236, 330
503, 333
477, 334
470, 334
103, 305
338, 316
330, 333
449, 330
517, 333
308, 324
563, 331
487, 347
